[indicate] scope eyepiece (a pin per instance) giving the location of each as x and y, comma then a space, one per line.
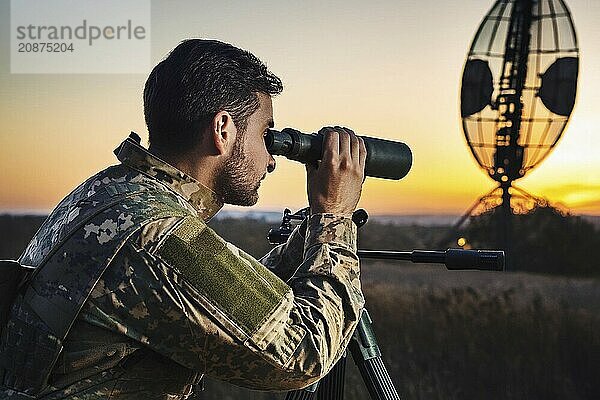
385, 158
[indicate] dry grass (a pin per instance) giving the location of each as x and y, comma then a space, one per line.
475, 335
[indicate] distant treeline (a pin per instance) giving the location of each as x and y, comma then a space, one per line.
15, 233
544, 240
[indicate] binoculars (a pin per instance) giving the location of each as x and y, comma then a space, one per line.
385, 158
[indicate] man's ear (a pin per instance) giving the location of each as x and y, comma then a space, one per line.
223, 132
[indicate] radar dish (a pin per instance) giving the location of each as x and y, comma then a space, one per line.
530, 49
518, 91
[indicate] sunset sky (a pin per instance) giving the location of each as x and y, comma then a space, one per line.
390, 69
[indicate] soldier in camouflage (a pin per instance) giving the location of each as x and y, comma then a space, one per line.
175, 301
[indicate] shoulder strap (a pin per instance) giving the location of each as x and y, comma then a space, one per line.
113, 196
58, 308
58, 291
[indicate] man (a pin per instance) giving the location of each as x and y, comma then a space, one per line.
173, 300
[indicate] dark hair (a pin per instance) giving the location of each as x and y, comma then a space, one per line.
198, 79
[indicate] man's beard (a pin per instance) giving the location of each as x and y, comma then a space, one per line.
234, 183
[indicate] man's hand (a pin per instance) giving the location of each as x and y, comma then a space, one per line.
334, 185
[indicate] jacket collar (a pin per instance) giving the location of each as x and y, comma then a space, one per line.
131, 153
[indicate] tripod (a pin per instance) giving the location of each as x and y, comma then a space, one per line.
363, 345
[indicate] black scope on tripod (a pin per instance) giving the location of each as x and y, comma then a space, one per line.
385, 158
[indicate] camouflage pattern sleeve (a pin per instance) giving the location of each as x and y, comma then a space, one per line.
327, 291
285, 259
213, 308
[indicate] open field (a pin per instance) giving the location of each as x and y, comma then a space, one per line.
463, 335
448, 334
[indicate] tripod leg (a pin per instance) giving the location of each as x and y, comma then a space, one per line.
331, 387
367, 356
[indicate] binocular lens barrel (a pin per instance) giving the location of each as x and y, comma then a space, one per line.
385, 158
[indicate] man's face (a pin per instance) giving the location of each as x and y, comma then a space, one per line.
249, 162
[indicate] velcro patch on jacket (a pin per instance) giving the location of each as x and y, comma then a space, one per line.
239, 286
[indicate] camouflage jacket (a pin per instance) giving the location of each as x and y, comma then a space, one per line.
177, 301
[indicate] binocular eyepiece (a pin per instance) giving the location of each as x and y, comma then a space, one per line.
385, 158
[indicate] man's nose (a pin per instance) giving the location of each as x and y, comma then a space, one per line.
271, 165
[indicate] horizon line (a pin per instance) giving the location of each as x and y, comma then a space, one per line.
250, 210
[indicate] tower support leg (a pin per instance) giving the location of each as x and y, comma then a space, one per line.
506, 223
